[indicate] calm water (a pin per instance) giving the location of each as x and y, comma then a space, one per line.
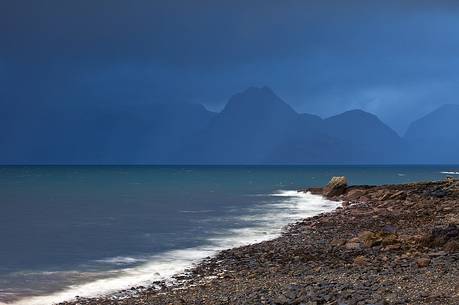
82, 230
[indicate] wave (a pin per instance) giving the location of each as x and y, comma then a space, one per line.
267, 222
450, 173
121, 260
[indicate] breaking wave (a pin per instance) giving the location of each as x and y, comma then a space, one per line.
450, 173
266, 221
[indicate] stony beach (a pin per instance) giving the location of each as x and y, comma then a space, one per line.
391, 244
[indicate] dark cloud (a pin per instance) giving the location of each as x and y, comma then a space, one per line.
395, 58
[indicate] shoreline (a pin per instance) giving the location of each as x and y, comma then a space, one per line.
271, 219
390, 244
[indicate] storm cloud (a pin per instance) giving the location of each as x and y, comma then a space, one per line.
397, 59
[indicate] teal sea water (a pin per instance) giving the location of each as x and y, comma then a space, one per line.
87, 230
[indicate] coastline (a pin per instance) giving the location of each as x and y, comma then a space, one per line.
264, 221
391, 244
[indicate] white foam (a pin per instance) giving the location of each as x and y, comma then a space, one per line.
268, 222
450, 173
283, 193
121, 260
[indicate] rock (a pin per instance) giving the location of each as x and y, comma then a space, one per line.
389, 239
389, 229
452, 231
440, 236
364, 199
364, 235
352, 246
392, 247
437, 254
355, 194
281, 299
337, 186
452, 246
400, 195
346, 203
360, 260
385, 196
370, 239
423, 262
337, 242
438, 193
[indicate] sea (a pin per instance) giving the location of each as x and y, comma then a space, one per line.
85, 231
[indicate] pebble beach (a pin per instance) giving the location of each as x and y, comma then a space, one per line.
391, 244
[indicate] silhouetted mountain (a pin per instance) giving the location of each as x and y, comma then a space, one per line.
352, 137
247, 129
434, 138
367, 138
256, 126
306, 141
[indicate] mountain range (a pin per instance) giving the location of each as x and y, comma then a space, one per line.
255, 127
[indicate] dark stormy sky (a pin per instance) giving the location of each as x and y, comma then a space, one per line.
397, 59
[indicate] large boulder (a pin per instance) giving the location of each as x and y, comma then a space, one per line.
440, 236
337, 186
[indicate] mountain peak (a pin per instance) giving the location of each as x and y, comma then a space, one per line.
257, 101
354, 113
254, 94
361, 123
437, 123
